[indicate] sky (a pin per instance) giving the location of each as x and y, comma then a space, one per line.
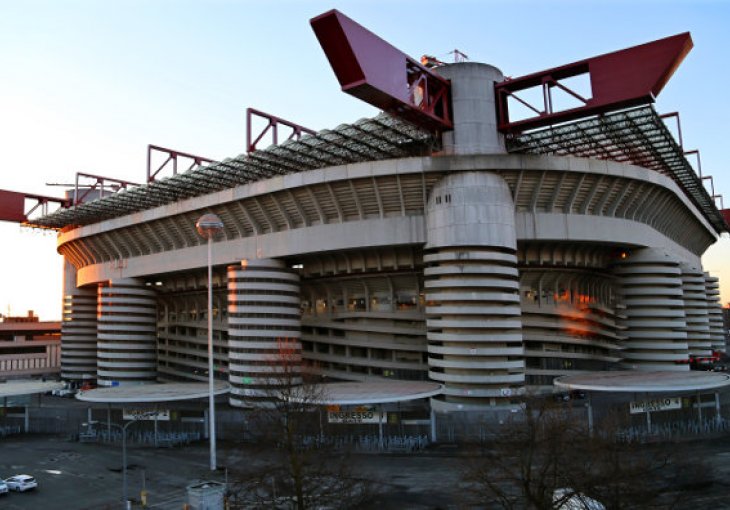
85, 86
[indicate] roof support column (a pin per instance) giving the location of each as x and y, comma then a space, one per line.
474, 328
474, 109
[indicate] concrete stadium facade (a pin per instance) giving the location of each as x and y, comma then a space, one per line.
490, 272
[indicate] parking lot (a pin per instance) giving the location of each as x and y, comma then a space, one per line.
74, 475
78, 476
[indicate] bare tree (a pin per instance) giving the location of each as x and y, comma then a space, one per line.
547, 460
528, 460
304, 472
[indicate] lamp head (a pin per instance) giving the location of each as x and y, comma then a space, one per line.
209, 226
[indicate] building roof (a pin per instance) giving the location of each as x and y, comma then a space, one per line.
35, 328
17, 388
637, 136
382, 137
629, 381
162, 392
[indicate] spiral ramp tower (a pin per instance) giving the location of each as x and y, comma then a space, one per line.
656, 328
78, 334
714, 308
127, 332
696, 310
264, 330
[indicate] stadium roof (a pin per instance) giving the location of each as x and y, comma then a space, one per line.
636, 136
382, 137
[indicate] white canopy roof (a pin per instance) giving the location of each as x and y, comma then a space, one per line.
634, 381
159, 392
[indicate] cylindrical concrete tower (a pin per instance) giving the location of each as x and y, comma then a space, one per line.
127, 349
472, 293
714, 309
264, 329
696, 311
474, 109
78, 334
656, 330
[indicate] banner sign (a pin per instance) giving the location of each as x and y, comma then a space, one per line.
361, 414
659, 404
142, 414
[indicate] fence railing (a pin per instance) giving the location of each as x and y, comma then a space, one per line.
9, 430
366, 443
673, 430
141, 437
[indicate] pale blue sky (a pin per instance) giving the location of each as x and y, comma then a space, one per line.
86, 85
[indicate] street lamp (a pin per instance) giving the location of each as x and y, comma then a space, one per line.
123, 428
208, 226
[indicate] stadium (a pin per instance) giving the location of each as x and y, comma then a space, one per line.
444, 240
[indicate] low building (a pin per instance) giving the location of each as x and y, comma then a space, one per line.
29, 347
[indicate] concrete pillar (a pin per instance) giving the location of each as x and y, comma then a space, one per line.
589, 406
656, 330
127, 331
78, 329
264, 330
648, 420
380, 427
699, 408
474, 109
473, 321
434, 436
206, 423
718, 416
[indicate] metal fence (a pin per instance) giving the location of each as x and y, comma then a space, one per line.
366, 443
398, 434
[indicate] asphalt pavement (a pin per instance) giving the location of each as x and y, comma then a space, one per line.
80, 476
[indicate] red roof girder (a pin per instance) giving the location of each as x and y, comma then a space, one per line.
12, 205
624, 78
726, 214
375, 71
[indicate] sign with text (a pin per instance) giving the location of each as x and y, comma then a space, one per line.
659, 404
360, 414
142, 414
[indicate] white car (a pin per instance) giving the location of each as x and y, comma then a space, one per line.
21, 483
572, 500
3, 487
64, 392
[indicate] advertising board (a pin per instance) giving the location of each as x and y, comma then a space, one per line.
658, 404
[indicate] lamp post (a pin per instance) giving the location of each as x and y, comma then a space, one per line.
123, 428
208, 226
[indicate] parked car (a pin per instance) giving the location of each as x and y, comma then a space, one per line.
3, 487
21, 483
66, 391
